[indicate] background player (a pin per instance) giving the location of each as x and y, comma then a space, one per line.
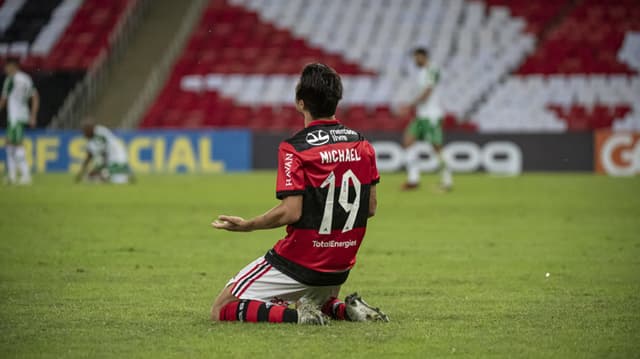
106, 154
427, 126
326, 183
17, 92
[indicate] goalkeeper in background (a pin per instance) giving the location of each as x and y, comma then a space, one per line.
427, 126
106, 155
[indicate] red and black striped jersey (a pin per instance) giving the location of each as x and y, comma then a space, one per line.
333, 167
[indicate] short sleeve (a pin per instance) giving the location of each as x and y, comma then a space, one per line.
375, 175
290, 179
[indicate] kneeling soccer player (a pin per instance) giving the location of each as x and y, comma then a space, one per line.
326, 183
106, 154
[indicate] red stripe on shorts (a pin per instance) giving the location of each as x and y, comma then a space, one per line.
266, 269
247, 274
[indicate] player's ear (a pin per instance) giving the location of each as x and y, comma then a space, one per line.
300, 105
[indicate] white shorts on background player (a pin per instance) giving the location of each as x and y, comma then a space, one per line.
261, 281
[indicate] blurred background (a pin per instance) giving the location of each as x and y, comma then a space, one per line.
557, 80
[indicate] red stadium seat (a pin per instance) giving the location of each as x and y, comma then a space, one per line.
569, 47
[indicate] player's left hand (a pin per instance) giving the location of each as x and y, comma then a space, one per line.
232, 223
32, 121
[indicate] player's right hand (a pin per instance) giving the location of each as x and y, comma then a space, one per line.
232, 223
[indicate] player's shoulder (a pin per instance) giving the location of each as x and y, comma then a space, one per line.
22, 76
102, 131
321, 135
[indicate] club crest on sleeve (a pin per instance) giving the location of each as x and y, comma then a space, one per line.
317, 137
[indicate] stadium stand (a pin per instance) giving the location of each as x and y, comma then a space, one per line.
557, 103
239, 66
576, 80
63, 35
58, 41
58, 34
587, 40
222, 79
88, 34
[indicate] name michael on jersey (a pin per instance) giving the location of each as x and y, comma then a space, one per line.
340, 155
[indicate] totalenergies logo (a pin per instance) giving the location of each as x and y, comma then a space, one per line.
617, 153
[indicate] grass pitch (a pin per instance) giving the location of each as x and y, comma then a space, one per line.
106, 271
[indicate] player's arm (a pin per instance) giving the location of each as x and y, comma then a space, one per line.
404, 109
287, 212
373, 201
83, 168
5, 93
424, 93
375, 178
423, 96
35, 107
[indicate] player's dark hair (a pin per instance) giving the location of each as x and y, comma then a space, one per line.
320, 88
12, 60
420, 51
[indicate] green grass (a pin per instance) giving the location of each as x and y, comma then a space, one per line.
104, 271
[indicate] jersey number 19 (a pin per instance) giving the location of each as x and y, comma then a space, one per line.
350, 207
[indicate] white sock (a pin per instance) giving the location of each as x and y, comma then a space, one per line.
11, 163
413, 173
21, 160
447, 178
445, 172
413, 170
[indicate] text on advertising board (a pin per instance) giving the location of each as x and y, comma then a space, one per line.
148, 151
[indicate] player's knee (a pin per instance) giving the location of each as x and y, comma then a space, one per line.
218, 305
215, 313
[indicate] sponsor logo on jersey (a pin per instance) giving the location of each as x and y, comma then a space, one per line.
342, 135
317, 137
288, 160
335, 244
